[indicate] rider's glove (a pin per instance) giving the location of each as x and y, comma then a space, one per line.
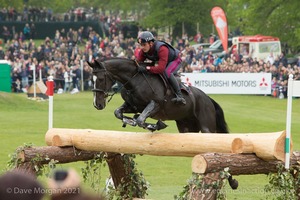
142, 69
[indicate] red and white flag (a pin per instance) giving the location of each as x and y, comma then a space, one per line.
220, 21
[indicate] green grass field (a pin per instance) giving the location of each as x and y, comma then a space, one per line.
26, 121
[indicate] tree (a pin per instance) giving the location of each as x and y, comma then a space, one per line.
185, 13
278, 18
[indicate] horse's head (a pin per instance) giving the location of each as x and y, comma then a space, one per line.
102, 83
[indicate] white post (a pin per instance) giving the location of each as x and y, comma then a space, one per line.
40, 72
81, 67
288, 121
34, 81
50, 91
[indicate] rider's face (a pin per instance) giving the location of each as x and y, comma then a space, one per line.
146, 46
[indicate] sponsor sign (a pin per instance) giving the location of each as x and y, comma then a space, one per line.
229, 83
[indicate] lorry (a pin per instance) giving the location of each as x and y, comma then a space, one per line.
257, 46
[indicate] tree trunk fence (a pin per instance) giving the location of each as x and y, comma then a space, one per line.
241, 154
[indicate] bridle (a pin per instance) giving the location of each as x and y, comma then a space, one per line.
106, 94
104, 91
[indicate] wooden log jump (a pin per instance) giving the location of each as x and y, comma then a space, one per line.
268, 146
61, 154
239, 164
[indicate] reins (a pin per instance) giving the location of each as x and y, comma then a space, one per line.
137, 64
106, 94
118, 90
123, 85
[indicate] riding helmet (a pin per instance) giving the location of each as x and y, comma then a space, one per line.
145, 36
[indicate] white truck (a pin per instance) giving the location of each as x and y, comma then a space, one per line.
257, 46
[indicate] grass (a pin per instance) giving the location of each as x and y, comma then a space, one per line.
26, 121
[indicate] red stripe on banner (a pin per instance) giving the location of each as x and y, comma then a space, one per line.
50, 88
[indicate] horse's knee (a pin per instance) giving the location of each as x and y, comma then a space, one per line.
118, 113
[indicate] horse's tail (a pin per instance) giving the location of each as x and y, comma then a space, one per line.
220, 118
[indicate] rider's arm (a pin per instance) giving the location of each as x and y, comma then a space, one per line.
140, 56
163, 54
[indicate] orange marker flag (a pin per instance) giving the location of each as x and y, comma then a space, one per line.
220, 21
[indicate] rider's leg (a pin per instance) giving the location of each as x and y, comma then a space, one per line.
175, 85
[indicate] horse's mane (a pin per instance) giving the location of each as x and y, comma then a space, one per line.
103, 59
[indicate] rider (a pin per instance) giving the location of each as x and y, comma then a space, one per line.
167, 57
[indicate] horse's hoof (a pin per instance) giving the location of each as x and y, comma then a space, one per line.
160, 125
151, 127
234, 184
129, 121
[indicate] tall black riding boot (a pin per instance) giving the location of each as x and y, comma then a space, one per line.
179, 97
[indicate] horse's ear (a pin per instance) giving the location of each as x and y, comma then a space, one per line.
90, 64
97, 62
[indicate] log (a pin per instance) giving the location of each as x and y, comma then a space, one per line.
121, 169
161, 144
268, 146
238, 164
61, 154
206, 189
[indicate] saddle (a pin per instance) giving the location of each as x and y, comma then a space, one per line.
166, 83
183, 87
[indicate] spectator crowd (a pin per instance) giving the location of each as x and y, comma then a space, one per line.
62, 56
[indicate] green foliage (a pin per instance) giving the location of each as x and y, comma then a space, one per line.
134, 186
91, 173
17, 4
165, 13
14, 160
279, 18
284, 184
38, 168
196, 183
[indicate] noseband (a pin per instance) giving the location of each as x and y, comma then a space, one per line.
105, 83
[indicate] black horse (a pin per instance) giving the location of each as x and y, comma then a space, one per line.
148, 95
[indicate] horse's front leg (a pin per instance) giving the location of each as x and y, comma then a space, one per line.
149, 110
124, 108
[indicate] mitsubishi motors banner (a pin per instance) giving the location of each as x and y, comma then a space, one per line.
220, 21
229, 83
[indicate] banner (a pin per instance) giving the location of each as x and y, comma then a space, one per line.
220, 22
229, 83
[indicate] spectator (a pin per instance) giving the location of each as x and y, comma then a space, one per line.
2, 54
283, 59
16, 185
195, 65
75, 74
26, 32
32, 31
68, 80
66, 186
270, 58
6, 34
